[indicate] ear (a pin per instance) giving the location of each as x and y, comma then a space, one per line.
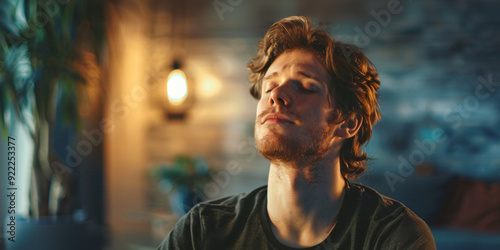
349, 127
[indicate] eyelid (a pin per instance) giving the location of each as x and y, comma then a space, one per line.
309, 85
268, 86
307, 89
312, 86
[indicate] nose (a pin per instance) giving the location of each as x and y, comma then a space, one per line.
280, 97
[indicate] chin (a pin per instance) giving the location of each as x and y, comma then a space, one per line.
276, 147
271, 142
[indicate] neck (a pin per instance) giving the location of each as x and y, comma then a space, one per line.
304, 200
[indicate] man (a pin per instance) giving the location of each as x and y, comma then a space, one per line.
317, 105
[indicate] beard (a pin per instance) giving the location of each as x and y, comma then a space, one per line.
311, 146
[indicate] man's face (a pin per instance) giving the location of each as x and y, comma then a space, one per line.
294, 113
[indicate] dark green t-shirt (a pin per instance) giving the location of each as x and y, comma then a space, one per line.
366, 220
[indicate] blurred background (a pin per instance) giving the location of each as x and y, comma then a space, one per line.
119, 115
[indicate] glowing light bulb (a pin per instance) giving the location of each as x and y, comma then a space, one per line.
177, 89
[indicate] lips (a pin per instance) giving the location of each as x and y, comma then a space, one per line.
276, 118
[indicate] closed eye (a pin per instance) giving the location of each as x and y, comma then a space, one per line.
269, 86
307, 88
268, 90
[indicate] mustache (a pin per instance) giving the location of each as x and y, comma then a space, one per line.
287, 113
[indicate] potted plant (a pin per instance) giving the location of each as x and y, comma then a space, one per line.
49, 54
183, 180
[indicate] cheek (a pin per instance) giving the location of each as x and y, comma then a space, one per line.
318, 117
261, 105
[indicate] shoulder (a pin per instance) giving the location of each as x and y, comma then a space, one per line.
394, 226
214, 219
376, 203
222, 212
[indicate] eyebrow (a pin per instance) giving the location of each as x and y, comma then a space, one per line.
274, 74
309, 76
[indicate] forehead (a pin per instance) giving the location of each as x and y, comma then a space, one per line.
299, 61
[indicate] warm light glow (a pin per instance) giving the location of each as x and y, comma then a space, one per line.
209, 87
177, 89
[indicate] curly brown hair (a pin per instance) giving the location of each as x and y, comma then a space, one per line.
354, 88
